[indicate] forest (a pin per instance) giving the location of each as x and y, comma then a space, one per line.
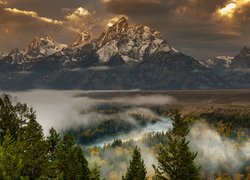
178, 154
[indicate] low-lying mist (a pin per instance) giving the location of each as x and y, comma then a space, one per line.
217, 152
68, 109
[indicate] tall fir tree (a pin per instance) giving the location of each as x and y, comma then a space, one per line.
53, 141
8, 118
34, 149
136, 169
176, 160
52, 171
13, 117
71, 161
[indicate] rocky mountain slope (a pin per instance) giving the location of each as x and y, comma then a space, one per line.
234, 70
240, 61
123, 57
219, 62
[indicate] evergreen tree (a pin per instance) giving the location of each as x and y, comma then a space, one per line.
53, 141
52, 170
136, 169
176, 160
11, 163
34, 149
8, 119
13, 117
71, 161
95, 173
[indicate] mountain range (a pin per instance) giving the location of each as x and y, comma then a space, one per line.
123, 57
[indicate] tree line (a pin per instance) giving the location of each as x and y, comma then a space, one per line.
25, 153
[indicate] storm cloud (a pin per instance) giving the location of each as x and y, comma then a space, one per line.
195, 27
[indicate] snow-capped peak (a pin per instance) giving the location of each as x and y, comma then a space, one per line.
42, 47
133, 43
220, 62
120, 26
115, 31
81, 39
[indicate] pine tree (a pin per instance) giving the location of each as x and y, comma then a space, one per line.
34, 149
95, 173
8, 119
176, 160
53, 141
11, 163
136, 169
52, 170
71, 161
13, 117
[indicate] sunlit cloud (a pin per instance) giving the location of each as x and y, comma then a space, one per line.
33, 14
228, 10
232, 7
3, 2
78, 13
80, 19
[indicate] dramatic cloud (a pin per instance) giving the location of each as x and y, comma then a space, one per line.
201, 28
82, 19
78, 14
232, 8
33, 15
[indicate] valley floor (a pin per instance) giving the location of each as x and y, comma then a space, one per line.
191, 101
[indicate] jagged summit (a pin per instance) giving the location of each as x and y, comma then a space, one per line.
244, 52
131, 43
124, 57
115, 31
81, 39
120, 26
242, 60
41, 47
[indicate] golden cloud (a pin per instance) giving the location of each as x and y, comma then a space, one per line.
33, 14
3, 2
78, 13
232, 7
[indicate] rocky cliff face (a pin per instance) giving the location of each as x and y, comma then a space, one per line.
242, 60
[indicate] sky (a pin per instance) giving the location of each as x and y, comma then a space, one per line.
200, 28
